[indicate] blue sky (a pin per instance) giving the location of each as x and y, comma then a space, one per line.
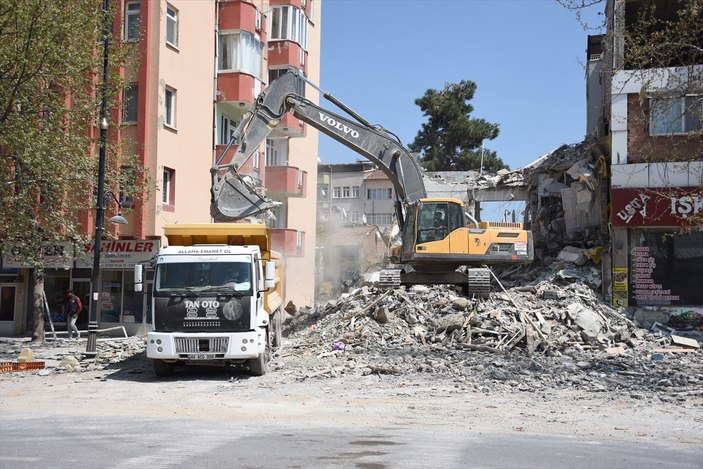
526, 56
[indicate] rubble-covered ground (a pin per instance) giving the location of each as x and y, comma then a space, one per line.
550, 333
553, 333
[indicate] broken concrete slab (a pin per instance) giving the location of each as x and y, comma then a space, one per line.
685, 341
587, 320
573, 254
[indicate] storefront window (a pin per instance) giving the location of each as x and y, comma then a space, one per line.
666, 267
56, 283
132, 307
111, 296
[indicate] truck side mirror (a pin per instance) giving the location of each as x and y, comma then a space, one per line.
138, 277
270, 275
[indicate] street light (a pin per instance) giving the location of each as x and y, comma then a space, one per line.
91, 347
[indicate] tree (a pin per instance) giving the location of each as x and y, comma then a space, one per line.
451, 140
50, 81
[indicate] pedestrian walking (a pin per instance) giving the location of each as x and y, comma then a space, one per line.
73, 309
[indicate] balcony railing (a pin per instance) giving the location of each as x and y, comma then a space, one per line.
287, 180
288, 241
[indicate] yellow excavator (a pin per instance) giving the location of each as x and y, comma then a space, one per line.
440, 243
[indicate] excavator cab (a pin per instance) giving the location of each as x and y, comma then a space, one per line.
441, 244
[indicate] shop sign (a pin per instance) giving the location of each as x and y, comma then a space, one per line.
646, 291
117, 254
54, 255
657, 207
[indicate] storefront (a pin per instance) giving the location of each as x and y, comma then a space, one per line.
69, 267
657, 247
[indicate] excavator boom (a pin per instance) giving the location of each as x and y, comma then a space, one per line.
437, 241
232, 198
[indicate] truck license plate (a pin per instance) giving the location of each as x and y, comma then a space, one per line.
199, 356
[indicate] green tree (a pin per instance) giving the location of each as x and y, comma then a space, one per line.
51, 66
451, 139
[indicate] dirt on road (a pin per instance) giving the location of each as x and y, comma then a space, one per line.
340, 389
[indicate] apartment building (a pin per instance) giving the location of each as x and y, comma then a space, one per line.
656, 169
198, 66
355, 193
355, 212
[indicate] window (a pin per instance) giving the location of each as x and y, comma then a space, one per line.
128, 181
131, 21
675, 115
379, 218
288, 23
379, 194
258, 20
168, 187
129, 103
171, 26
666, 269
276, 152
434, 222
346, 192
240, 51
170, 107
227, 126
255, 160
354, 217
179, 275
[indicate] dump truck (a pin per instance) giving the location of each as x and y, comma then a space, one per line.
217, 297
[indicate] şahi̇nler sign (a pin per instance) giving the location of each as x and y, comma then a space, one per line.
657, 207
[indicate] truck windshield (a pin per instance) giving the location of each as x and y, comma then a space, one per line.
203, 276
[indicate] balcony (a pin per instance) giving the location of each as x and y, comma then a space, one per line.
287, 180
238, 89
248, 167
239, 15
282, 53
288, 241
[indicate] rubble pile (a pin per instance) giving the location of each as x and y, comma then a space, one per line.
553, 332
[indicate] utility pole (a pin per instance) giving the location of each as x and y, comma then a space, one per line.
91, 347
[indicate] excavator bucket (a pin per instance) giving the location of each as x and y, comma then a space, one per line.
234, 199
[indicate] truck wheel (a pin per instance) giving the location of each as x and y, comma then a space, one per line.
162, 368
277, 329
258, 365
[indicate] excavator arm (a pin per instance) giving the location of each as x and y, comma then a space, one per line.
232, 198
436, 240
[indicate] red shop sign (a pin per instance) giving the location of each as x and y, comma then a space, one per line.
657, 206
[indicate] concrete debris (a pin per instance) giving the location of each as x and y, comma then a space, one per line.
64, 355
25, 356
545, 331
551, 332
70, 363
573, 254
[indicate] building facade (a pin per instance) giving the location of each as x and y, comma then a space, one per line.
197, 68
355, 193
656, 163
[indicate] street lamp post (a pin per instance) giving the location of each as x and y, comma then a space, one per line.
91, 348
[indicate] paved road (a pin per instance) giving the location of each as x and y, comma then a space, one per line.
121, 442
